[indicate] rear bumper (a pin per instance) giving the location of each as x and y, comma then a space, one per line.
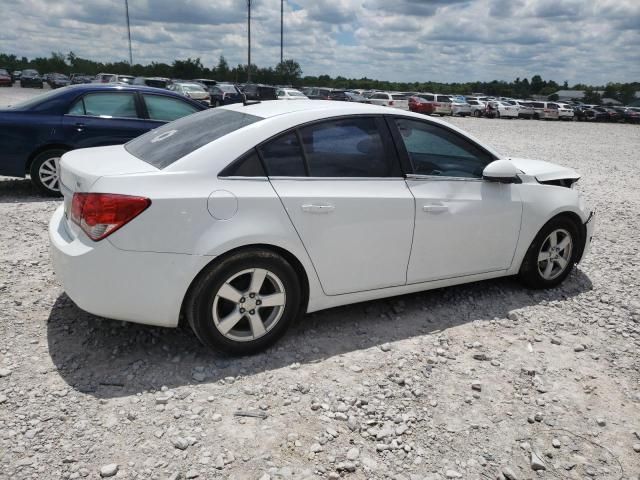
139, 287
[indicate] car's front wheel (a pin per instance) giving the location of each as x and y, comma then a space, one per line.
245, 302
45, 171
552, 254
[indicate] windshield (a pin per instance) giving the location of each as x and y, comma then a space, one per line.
29, 72
227, 88
294, 93
167, 144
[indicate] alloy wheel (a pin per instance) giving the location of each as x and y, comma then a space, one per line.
555, 254
249, 304
48, 173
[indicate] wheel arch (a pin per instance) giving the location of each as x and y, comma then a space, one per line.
44, 148
286, 254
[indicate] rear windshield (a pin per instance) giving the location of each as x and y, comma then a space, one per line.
164, 145
399, 97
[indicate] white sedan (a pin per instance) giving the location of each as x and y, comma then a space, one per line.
290, 94
243, 218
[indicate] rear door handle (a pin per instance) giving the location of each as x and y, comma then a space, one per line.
435, 208
311, 208
80, 126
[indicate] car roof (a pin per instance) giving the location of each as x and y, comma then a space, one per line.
92, 87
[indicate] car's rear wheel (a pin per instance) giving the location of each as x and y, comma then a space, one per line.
45, 171
476, 113
245, 302
552, 254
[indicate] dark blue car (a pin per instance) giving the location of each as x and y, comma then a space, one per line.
34, 134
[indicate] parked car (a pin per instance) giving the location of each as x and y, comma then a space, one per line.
57, 80
525, 109
355, 97
477, 107
156, 82
225, 94
395, 100
611, 115
213, 217
629, 114
315, 93
420, 105
16, 74
565, 111
497, 109
441, 103
290, 94
31, 78
545, 111
459, 106
208, 83
105, 78
80, 78
35, 133
192, 90
5, 78
254, 91
589, 113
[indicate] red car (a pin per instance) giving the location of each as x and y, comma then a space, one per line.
420, 105
5, 78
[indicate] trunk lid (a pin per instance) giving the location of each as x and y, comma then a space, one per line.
544, 171
80, 169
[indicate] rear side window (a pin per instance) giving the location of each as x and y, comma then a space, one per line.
283, 157
116, 104
164, 145
248, 165
347, 148
167, 109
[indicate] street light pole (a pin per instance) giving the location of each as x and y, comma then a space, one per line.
126, 6
249, 41
281, 31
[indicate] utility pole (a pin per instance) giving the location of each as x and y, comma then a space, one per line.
281, 31
126, 6
249, 41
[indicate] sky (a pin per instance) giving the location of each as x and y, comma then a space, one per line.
585, 41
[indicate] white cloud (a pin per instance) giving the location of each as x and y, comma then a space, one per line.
405, 40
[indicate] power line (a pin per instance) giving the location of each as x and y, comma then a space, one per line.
126, 6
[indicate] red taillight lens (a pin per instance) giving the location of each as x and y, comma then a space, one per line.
101, 214
391, 103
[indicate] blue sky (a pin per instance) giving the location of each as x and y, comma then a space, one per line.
592, 41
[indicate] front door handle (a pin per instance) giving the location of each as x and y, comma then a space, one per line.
311, 208
435, 208
80, 127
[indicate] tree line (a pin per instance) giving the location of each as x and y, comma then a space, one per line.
289, 72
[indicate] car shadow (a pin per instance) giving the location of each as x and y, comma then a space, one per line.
22, 191
108, 358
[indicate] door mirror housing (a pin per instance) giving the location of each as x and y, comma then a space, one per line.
502, 171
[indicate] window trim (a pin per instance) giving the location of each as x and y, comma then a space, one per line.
404, 154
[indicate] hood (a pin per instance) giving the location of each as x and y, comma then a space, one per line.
544, 171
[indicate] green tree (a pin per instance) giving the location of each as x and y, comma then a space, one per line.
288, 72
222, 71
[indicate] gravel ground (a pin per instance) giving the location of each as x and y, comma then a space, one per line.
482, 381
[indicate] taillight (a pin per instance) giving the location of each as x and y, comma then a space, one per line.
436, 105
101, 214
391, 103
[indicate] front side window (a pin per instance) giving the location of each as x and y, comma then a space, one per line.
436, 151
283, 157
347, 148
117, 104
167, 109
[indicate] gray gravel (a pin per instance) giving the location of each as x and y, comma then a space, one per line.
480, 381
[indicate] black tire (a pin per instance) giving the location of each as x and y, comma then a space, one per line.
530, 273
199, 303
34, 171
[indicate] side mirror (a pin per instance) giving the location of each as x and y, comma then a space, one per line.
502, 171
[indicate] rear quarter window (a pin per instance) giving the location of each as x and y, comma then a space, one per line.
167, 144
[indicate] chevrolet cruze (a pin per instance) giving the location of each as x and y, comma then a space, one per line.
242, 218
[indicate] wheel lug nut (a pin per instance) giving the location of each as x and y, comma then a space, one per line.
242, 300
242, 310
252, 312
258, 302
252, 295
